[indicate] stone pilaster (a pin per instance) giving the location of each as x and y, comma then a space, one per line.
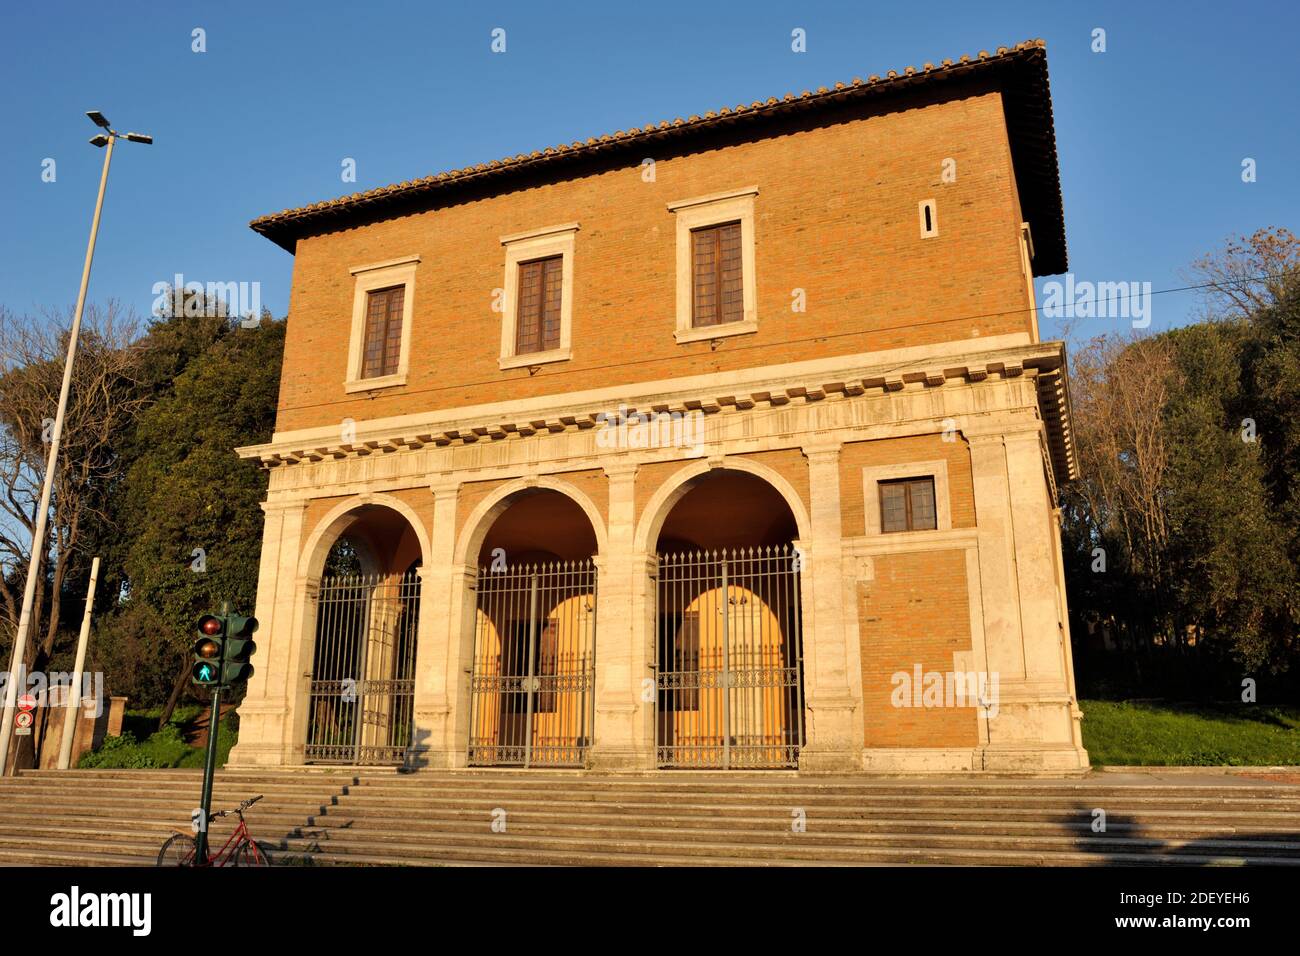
1023, 603
433, 646
265, 716
622, 717
834, 735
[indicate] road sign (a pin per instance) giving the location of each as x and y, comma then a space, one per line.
23, 722
27, 702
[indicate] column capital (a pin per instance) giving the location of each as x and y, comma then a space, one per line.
823, 450
998, 431
445, 486
620, 468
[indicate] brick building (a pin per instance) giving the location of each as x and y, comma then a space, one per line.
722, 442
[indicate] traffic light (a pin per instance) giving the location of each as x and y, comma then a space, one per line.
237, 649
206, 670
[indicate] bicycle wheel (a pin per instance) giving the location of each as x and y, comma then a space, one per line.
252, 853
177, 851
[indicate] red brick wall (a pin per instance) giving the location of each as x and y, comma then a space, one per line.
915, 611
836, 216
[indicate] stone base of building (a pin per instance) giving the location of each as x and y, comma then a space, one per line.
1028, 760
261, 739
254, 755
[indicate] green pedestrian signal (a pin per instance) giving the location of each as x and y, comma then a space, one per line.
208, 648
237, 648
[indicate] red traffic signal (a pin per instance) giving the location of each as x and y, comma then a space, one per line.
211, 625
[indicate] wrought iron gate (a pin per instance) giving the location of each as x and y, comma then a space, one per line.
729, 659
532, 689
363, 674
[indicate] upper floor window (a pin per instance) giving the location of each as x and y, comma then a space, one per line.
383, 332
716, 289
541, 286
907, 504
537, 300
379, 347
718, 292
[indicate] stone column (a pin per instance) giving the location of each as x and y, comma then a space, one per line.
833, 729
434, 742
266, 714
621, 655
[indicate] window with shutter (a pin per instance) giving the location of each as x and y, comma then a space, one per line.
383, 339
907, 505
718, 290
537, 327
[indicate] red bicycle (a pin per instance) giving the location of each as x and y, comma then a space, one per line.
240, 850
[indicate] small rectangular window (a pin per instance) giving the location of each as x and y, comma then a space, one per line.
537, 326
718, 288
907, 505
383, 344
929, 219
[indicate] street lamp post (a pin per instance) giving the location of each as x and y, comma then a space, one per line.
16, 666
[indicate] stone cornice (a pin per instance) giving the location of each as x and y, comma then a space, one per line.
771, 387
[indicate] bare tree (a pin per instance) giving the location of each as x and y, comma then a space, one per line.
1120, 386
102, 402
1249, 274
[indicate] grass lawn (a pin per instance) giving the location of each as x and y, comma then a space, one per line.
143, 746
1169, 734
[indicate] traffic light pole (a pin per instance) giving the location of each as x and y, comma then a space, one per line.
205, 803
210, 765
221, 656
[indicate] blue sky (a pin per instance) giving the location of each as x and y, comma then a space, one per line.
1151, 134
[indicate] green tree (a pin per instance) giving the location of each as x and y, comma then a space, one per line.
190, 508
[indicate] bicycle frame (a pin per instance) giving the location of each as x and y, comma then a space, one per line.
226, 855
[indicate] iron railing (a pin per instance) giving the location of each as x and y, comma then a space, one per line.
363, 675
729, 659
532, 687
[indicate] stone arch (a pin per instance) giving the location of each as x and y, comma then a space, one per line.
317, 547
666, 496
479, 521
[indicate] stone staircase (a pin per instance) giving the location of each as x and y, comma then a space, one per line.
368, 817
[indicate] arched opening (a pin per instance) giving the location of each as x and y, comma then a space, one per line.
532, 689
728, 647
367, 610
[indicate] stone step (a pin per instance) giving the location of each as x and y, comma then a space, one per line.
819, 832
178, 807
1115, 800
701, 854
43, 857
1112, 803
668, 782
566, 818
811, 846
580, 852
432, 799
